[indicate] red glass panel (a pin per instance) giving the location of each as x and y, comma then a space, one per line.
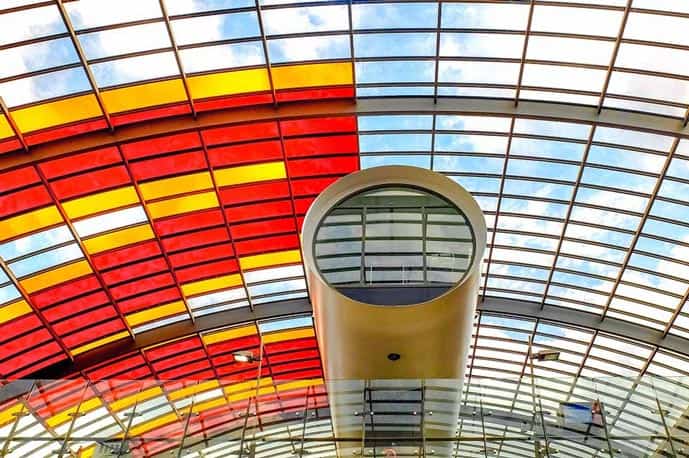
149, 300
65, 291
169, 165
261, 228
93, 333
127, 254
233, 345
302, 204
291, 345
240, 133
24, 344
254, 192
144, 115
26, 199
207, 270
65, 131
183, 359
310, 126
300, 375
219, 251
112, 369
265, 244
293, 356
322, 146
316, 94
312, 186
260, 210
161, 145
133, 271
295, 366
188, 222
245, 153
91, 182
9, 145
18, 178
19, 326
80, 162
28, 362
86, 319
21, 373
142, 285
190, 371
200, 238
332, 165
173, 348
76, 306
236, 101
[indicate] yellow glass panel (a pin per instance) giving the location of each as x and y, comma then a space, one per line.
288, 335
250, 173
117, 239
228, 83
28, 222
66, 415
176, 185
311, 75
88, 452
9, 415
202, 406
141, 396
229, 334
155, 313
270, 259
55, 276
57, 113
193, 389
149, 425
14, 310
5, 128
102, 201
297, 384
144, 95
184, 204
245, 390
100, 342
212, 284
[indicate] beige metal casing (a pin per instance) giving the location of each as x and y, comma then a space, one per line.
432, 337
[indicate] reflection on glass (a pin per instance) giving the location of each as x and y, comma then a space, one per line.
394, 236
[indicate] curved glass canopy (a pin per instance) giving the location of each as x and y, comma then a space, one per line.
159, 157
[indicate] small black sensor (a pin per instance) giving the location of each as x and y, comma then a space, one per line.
394, 356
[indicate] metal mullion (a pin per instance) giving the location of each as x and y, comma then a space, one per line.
522, 62
178, 59
31, 41
224, 41
266, 54
85, 253
42, 71
676, 313
642, 222
119, 57
437, 63
76, 414
613, 57
220, 12
121, 25
13, 124
226, 221
149, 221
351, 55
84, 62
568, 215
584, 357
27, 298
25, 410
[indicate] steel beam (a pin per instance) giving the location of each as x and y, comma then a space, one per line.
375, 106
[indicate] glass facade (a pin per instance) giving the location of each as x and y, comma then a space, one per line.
394, 237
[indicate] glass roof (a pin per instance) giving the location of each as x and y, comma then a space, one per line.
149, 182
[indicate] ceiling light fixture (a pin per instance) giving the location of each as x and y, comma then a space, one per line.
546, 355
245, 357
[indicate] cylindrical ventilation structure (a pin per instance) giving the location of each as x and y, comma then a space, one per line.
392, 257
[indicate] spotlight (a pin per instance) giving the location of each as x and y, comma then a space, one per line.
244, 357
